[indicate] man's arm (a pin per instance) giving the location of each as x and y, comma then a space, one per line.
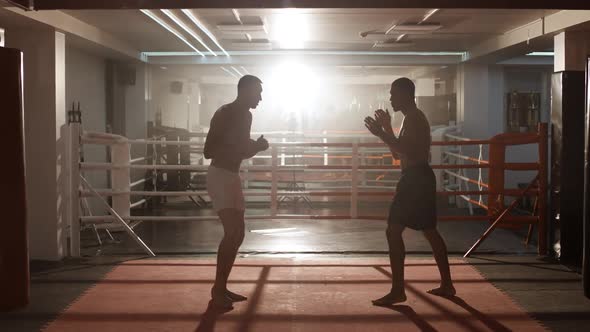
212, 141
406, 143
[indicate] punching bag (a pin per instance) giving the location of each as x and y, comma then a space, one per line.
14, 259
586, 254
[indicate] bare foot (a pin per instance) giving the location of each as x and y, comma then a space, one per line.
234, 296
390, 299
443, 291
221, 300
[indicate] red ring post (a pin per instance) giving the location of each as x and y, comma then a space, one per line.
496, 176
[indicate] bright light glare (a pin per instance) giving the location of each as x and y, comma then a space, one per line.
290, 30
294, 85
272, 230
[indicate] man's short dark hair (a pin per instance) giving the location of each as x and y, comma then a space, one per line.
248, 81
405, 85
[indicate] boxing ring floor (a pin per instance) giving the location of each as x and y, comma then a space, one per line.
300, 236
548, 293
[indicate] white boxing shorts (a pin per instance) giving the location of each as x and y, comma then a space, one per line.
225, 189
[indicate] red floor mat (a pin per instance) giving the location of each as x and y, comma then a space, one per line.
289, 295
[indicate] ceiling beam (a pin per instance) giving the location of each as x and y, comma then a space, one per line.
24, 4
329, 59
81, 31
531, 37
175, 4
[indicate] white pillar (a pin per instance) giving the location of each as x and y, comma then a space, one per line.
45, 135
571, 50
480, 106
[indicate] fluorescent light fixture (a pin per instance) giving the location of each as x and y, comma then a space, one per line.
236, 15
392, 44
290, 30
400, 37
244, 69
187, 29
272, 230
409, 27
389, 30
429, 15
229, 72
171, 29
241, 28
283, 53
249, 37
541, 54
237, 71
254, 45
192, 17
300, 233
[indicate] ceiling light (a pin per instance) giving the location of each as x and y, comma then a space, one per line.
236, 15
400, 37
237, 71
249, 37
458, 54
244, 69
414, 27
541, 54
290, 30
254, 45
187, 29
171, 29
429, 15
228, 71
198, 23
272, 230
389, 30
241, 27
392, 43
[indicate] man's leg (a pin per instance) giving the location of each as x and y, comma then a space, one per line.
233, 228
397, 255
439, 249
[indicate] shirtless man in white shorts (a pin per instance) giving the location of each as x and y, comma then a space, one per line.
228, 143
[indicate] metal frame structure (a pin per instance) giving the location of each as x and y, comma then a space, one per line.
497, 212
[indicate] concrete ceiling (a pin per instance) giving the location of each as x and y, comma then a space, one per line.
321, 29
143, 4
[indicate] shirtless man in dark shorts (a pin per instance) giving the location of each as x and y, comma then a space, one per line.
414, 204
228, 143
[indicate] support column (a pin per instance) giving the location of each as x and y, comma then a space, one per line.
567, 145
480, 100
480, 110
45, 135
572, 57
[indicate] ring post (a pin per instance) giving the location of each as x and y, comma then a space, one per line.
543, 187
274, 182
496, 177
74, 120
355, 185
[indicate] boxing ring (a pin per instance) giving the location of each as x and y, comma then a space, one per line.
271, 165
